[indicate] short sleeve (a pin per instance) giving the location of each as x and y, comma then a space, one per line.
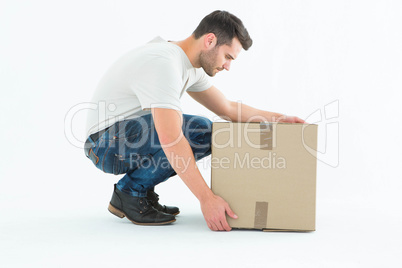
158, 85
202, 83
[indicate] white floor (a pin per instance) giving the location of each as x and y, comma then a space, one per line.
71, 227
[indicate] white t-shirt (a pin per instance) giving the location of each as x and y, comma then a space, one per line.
154, 75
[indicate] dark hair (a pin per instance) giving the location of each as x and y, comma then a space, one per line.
225, 26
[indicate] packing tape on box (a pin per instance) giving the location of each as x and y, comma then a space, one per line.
266, 135
261, 215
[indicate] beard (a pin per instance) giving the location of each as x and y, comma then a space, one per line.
208, 61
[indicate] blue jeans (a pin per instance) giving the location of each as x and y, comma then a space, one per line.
132, 147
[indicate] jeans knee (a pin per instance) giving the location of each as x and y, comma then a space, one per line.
198, 131
198, 122
194, 123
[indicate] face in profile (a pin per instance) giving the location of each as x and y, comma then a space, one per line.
219, 58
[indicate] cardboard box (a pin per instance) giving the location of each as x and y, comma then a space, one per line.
267, 174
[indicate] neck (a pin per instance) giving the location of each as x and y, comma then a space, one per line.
190, 46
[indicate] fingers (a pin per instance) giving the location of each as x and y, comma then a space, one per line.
215, 211
210, 226
230, 212
214, 227
299, 120
225, 225
219, 225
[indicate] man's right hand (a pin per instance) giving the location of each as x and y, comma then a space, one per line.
214, 209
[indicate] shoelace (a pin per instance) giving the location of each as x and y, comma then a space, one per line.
145, 203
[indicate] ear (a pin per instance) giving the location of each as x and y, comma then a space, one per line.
209, 41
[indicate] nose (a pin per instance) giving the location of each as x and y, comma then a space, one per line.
226, 66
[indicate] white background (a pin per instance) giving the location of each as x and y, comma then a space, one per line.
306, 55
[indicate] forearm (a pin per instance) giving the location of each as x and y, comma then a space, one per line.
168, 124
239, 112
181, 158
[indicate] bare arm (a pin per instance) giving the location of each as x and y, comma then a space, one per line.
168, 124
214, 100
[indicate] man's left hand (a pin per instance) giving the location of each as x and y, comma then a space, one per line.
290, 119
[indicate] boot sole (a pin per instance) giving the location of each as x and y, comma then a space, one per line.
121, 214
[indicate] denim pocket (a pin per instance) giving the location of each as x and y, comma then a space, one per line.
94, 158
119, 152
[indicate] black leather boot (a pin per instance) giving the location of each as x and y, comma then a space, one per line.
153, 198
137, 209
